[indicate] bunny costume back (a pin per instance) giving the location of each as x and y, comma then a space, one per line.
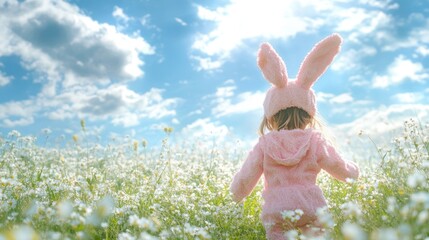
290, 160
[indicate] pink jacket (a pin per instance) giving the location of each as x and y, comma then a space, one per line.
290, 161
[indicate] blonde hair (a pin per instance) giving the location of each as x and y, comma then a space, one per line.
289, 118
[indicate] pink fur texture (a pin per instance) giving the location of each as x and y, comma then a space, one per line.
295, 93
290, 161
274, 67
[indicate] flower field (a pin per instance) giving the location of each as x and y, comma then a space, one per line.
127, 191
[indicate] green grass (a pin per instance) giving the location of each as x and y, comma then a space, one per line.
125, 191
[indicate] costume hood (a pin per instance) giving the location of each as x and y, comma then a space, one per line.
286, 92
287, 147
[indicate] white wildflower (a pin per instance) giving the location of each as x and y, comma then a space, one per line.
351, 209
292, 215
420, 198
196, 231
14, 134
391, 204
126, 236
352, 231
105, 206
104, 224
142, 223
147, 236
24, 233
416, 179
386, 233
324, 217
422, 217
292, 234
54, 235
350, 180
404, 231
64, 209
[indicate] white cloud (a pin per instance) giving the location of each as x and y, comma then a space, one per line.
351, 59
383, 4
423, 51
82, 65
415, 38
123, 106
83, 51
4, 80
241, 20
205, 129
400, 70
11, 123
409, 97
225, 92
226, 102
180, 21
206, 63
14, 114
334, 99
361, 21
119, 14
323, 97
196, 112
341, 99
379, 126
359, 80
147, 23
116, 103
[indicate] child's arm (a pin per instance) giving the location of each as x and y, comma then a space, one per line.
248, 176
331, 162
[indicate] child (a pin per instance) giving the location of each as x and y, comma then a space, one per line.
293, 153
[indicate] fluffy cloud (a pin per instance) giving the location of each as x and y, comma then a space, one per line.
267, 18
119, 14
227, 103
124, 106
351, 59
82, 65
14, 114
4, 80
423, 51
283, 20
342, 98
379, 126
414, 38
116, 103
361, 21
334, 99
180, 21
384, 4
205, 129
55, 39
409, 97
402, 69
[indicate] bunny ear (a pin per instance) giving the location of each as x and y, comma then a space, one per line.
272, 66
318, 60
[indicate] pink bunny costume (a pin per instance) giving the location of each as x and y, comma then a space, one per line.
290, 160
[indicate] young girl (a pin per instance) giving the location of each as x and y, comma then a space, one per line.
292, 154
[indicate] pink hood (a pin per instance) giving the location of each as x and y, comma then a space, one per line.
287, 147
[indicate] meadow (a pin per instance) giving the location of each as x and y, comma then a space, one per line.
129, 190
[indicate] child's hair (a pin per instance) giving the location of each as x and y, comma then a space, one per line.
289, 118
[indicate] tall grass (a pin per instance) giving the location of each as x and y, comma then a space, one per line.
126, 191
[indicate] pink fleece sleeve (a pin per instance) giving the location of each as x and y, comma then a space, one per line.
331, 162
246, 179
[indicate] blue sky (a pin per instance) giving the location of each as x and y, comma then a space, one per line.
130, 68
